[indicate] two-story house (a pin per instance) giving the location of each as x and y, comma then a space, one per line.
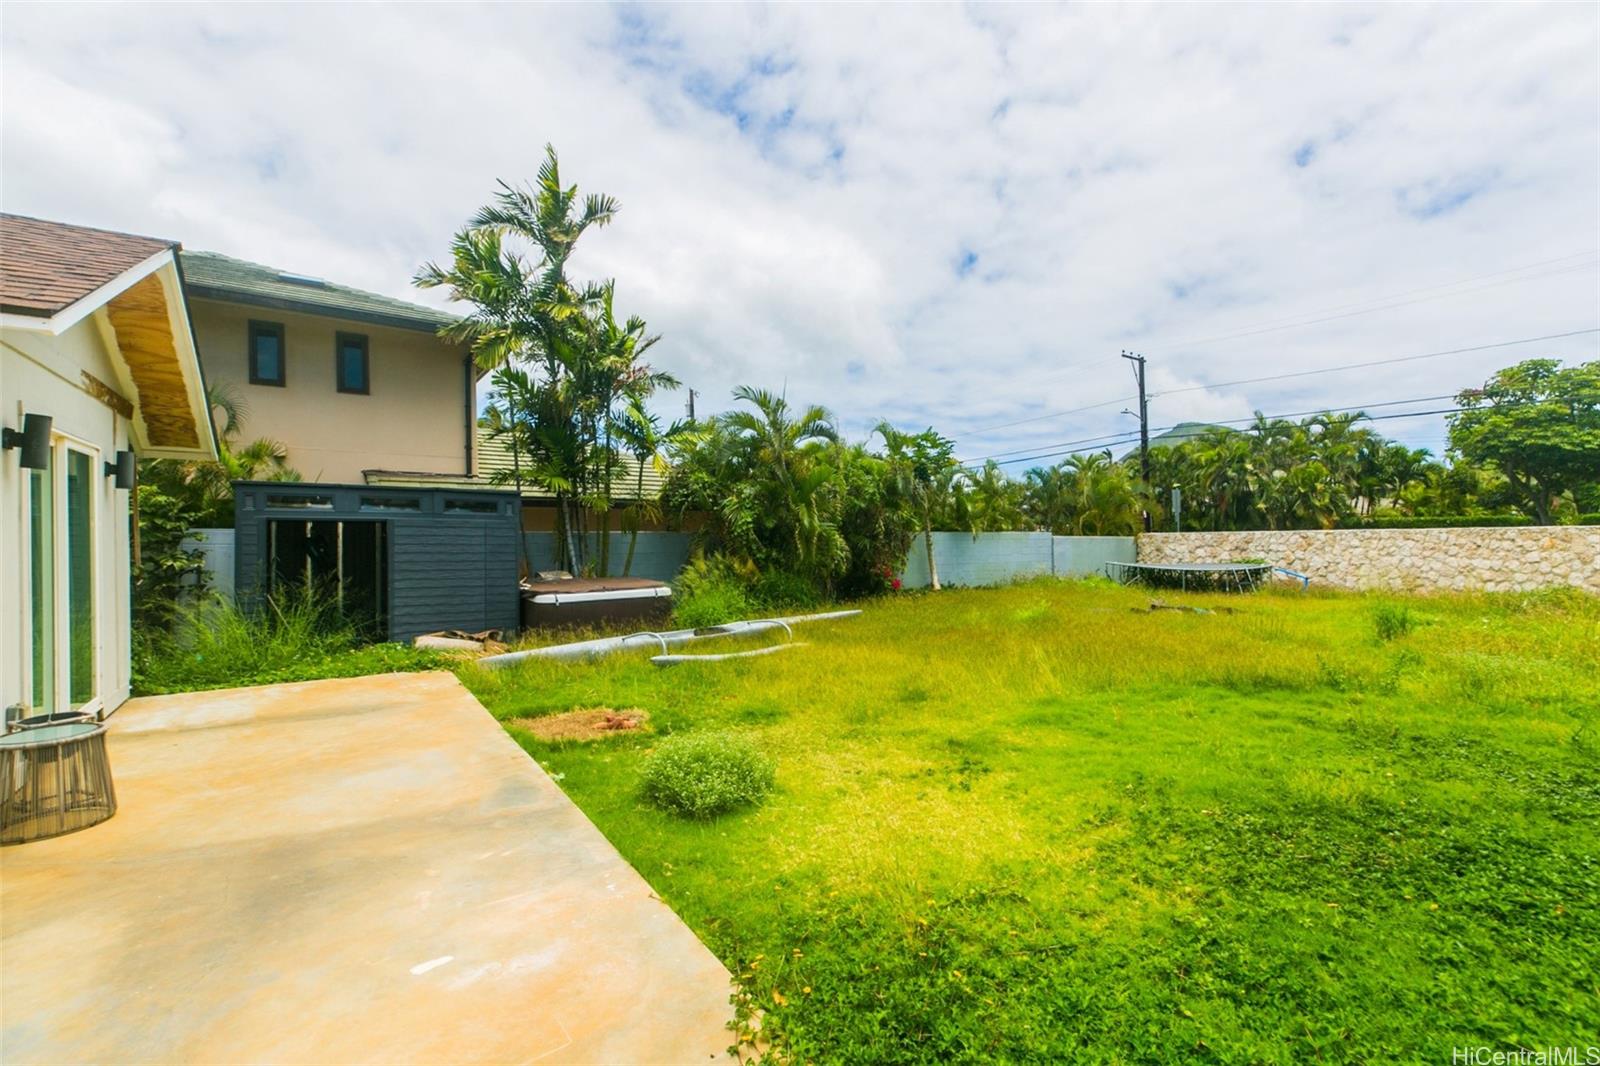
353, 384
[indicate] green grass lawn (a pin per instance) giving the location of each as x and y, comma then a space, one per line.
1030, 824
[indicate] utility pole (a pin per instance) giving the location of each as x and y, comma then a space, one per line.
692, 395
1144, 435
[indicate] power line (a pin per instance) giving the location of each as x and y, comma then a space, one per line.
1223, 422
1288, 414
1379, 362
1361, 308
1294, 374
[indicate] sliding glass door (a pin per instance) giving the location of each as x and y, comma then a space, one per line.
61, 580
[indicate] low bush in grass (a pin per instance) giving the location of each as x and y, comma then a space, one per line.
702, 775
715, 589
213, 644
711, 590
1392, 621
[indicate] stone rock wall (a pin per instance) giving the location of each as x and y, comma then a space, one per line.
1515, 559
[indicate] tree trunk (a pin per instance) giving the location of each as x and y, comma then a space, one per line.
927, 542
605, 495
516, 478
633, 538
574, 547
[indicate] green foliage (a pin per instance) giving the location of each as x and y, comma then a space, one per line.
1087, 494
780, 492
212, 644
712, 590
1156, 838
779, 590
566, 370
1401, 521
165, 572
1392, 620
1538, 423
702, 775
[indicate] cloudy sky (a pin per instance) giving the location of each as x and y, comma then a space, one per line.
946, 215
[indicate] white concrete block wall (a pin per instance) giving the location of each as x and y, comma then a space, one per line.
987, 559
659, 555
1088, 556
217, 551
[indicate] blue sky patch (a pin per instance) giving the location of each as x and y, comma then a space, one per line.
1441, 196
966, 262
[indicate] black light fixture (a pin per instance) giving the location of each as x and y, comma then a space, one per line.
122, 470
34, 440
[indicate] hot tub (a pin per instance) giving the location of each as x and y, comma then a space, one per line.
594, 601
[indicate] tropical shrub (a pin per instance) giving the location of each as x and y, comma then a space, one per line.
710, 591
1392, 621
213, 644
702, 775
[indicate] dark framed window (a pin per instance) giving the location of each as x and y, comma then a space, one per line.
391, 503
267, 357
319, 503
455, 506
350, 363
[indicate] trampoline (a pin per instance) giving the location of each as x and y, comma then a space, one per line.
1193, 577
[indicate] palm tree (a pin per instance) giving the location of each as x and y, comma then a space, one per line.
922, 466
526, 312
987, 501
778, 434
640, 434
1105, 497
262, 459
1049, 502
790, 448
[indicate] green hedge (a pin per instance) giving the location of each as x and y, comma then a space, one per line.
1457, 521
1441, 522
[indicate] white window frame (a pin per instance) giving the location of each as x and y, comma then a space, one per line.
60, 445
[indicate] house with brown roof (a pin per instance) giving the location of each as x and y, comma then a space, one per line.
98, 364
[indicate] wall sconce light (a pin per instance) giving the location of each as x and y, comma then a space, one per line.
122, 470
34, 440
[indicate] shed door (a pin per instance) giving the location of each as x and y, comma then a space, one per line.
341, 565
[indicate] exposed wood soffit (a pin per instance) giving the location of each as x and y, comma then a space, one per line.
141, 321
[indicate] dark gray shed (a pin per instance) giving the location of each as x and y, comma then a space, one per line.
400, 561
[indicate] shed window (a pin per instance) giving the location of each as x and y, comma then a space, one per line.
391, 503
350, 359
320, 503
266, 353
471, 506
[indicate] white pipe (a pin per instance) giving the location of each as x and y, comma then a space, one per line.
591, 649
674, 660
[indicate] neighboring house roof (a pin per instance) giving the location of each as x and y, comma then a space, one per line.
494, 457
56, 277
212, 276
46, 267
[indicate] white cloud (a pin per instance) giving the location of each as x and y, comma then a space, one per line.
921, 213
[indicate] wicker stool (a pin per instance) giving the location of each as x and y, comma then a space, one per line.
54, 779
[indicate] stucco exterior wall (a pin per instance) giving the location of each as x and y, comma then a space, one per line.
1426, 560
43, 374
415, 418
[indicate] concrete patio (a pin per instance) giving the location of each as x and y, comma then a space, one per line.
360, 870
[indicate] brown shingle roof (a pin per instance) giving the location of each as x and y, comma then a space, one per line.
47, 266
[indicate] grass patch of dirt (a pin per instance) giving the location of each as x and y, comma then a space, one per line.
586, 723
